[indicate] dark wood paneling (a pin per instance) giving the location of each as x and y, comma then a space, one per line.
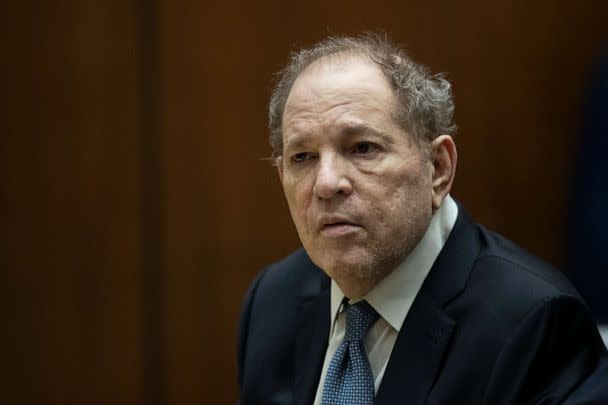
152, 203
20, 217
71, 233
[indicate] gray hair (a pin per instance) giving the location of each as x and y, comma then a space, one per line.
426, 102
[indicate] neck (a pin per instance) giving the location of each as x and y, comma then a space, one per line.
356, 289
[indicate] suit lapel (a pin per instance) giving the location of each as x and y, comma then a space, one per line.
423, 339
311, 339
417, 354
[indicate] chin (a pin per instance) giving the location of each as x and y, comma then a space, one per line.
357, 264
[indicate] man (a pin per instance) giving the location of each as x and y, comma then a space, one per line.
397, 296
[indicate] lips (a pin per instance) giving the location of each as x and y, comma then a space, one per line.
335, 220
337, 226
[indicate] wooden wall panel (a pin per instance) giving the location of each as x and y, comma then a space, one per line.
20, 216
90, 289
70, 201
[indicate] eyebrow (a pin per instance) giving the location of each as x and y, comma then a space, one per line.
353, 129
296, 142
345, 131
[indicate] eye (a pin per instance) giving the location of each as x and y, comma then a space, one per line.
301, 157
364, 148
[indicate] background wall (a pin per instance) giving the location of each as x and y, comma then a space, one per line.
135, 205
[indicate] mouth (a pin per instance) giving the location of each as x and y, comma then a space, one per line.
338, 228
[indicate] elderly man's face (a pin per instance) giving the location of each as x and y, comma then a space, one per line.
358, 188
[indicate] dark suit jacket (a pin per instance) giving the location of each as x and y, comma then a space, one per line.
491, 325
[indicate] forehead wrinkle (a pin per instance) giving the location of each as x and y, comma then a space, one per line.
300, 127
311, 118
333, 110
321, 99
318, 91
345, 130
317, 101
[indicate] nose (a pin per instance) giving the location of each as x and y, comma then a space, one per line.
332, 177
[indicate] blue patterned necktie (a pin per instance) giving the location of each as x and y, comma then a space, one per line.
349, 379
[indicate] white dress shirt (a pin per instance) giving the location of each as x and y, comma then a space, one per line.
391, 298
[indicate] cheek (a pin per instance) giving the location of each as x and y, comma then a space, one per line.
403, 196
298, 195
406, 179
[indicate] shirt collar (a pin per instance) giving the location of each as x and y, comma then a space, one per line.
394, 295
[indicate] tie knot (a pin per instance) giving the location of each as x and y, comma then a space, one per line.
359, 318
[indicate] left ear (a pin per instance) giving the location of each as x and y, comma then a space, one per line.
443, 158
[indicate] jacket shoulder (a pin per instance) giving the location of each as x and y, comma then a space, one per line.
268, 324
505, 283
520, 270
